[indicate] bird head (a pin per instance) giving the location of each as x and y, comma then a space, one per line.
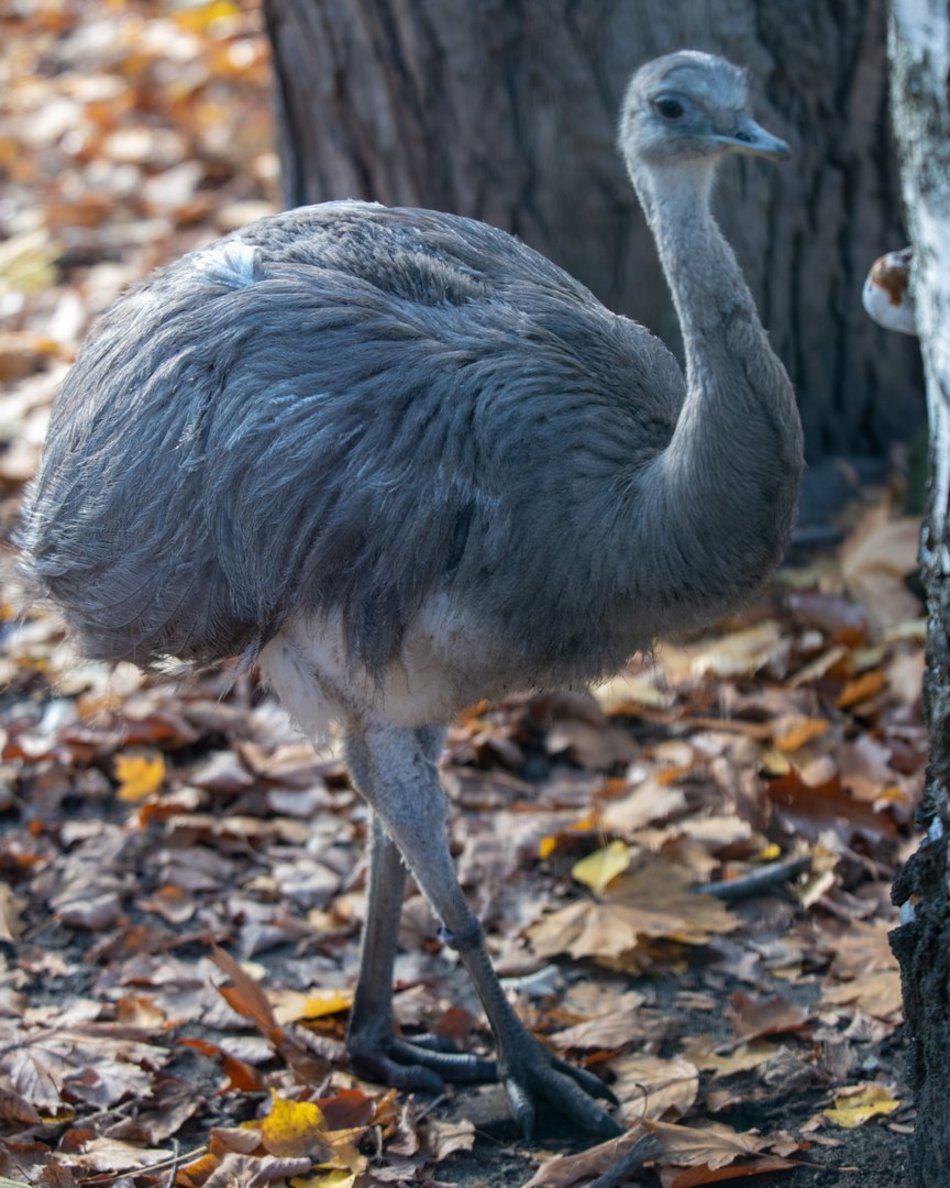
691, 107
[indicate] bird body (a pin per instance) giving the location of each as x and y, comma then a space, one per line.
406, 462
357, 416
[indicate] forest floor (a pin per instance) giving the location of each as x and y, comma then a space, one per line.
181, 877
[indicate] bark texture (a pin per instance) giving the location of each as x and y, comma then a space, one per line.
920, 57
506, 110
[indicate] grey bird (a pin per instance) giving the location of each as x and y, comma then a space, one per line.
403, 462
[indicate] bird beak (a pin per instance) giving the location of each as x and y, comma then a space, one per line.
751, 138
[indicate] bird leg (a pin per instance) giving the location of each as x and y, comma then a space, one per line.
396, 772
374, 1048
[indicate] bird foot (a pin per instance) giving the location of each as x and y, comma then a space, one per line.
422, 1064
530, 1072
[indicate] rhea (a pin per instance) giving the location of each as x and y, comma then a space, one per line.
402, 462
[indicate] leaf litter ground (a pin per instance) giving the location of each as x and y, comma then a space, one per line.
683, 876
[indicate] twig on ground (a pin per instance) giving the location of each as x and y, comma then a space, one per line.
756, 881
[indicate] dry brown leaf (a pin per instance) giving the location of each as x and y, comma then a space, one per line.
621, 1025
242, 1077
875, 562
701, 1050
650, 1088
810, 809
863, 949
651, 802
564, 1170
697, 1176
755, 1018
440, 1138
11, 926
653, 901
112, 1155
844, 621
740, 653
712, 1145
877, 994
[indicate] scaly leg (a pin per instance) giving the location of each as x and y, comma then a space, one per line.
374, 1048
391, 768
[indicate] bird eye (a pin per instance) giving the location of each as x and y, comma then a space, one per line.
669, 109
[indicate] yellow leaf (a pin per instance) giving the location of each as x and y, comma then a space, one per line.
598, 869
547, 846
139, 775
796, 732
28, 262
855, 1106
291, 1005
199, 18
327, 1179
293, 1129
774, 763
868, 685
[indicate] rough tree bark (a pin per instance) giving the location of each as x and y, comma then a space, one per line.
506, 110
919, 47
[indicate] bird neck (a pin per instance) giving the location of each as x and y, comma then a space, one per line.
707, 287
725, 488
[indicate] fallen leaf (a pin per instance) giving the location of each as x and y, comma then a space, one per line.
858, 1104
292, 1005
862, 688
808, 810
755, 1018
697, 1176
702, 1051
877, 994
875, 562
793, 734
653, 901
601, 867
564, 1170
651, 802
712, 1145
11, 926
442, 1138
334, 1178
650, 1087
245, 996
140, 775
294, 1128
740, 653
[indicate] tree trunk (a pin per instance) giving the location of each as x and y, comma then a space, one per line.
506, 110
919, 46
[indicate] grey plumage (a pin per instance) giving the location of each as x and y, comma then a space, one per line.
394, 399
406, 462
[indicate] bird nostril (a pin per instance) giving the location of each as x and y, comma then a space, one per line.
744, 136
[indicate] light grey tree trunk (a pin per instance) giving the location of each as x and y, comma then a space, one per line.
919, 47
506, 110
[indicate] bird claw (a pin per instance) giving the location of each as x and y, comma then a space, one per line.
532, 1073
422, 1064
